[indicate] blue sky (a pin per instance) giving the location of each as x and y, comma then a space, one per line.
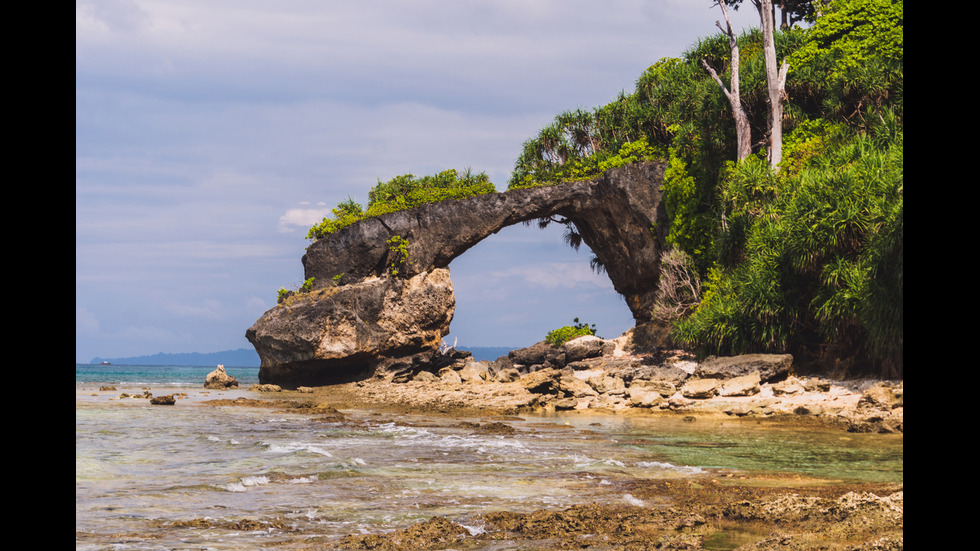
211, 134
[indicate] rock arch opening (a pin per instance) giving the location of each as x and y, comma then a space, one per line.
515, 286
381, 288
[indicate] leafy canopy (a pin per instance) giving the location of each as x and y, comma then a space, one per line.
807, 259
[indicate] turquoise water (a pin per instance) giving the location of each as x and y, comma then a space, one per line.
141, 468
171, 375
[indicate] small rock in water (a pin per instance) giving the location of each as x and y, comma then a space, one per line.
220, 380
167, 400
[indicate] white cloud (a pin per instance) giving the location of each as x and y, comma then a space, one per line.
303, 217
208, 309
555, 275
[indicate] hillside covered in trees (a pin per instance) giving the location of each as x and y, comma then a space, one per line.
804, 256
784, 183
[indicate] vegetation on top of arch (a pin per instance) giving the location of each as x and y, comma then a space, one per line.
404, 192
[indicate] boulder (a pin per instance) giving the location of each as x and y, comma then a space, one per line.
606, 384
661, 387
333, 333
791, 385
450, 375
541, 353
643, 397
670, 374
746, 385
167, 400
573, 386
473, 372
265, 388
543, 381
425, 377
882, 396
219, 380
700, 389
771, 367
581, 348
508, 375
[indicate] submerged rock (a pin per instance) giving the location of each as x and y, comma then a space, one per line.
167, 400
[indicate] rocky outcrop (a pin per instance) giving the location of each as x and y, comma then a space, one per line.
619, 380
359, 317
770, 367
618, 216
333, 333
220, 380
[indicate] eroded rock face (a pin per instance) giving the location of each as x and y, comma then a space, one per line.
619, 216
358, 316
219, 379
327, 334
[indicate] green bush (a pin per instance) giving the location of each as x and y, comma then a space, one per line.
560, 336
398, 254
818, 259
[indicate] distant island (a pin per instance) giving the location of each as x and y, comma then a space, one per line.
242, 357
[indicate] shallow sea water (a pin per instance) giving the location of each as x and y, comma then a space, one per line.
140, 468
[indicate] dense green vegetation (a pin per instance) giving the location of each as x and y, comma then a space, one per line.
560, 336
403, 192
804, 258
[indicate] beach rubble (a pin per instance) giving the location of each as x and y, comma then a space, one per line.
615, 378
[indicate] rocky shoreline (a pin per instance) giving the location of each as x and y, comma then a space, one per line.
590, 374
714, 510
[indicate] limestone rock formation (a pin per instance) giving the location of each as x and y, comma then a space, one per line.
358, 316
771, 367
324, 335
619, 216
219, 379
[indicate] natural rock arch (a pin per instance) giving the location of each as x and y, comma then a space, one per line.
358, 317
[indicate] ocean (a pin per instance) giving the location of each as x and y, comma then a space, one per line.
200, 476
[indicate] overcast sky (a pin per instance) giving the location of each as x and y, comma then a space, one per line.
211, 134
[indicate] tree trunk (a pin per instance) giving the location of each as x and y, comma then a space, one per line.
743, 131
776, 79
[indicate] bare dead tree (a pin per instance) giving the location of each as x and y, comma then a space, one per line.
776, 80
679, 289
743, 130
